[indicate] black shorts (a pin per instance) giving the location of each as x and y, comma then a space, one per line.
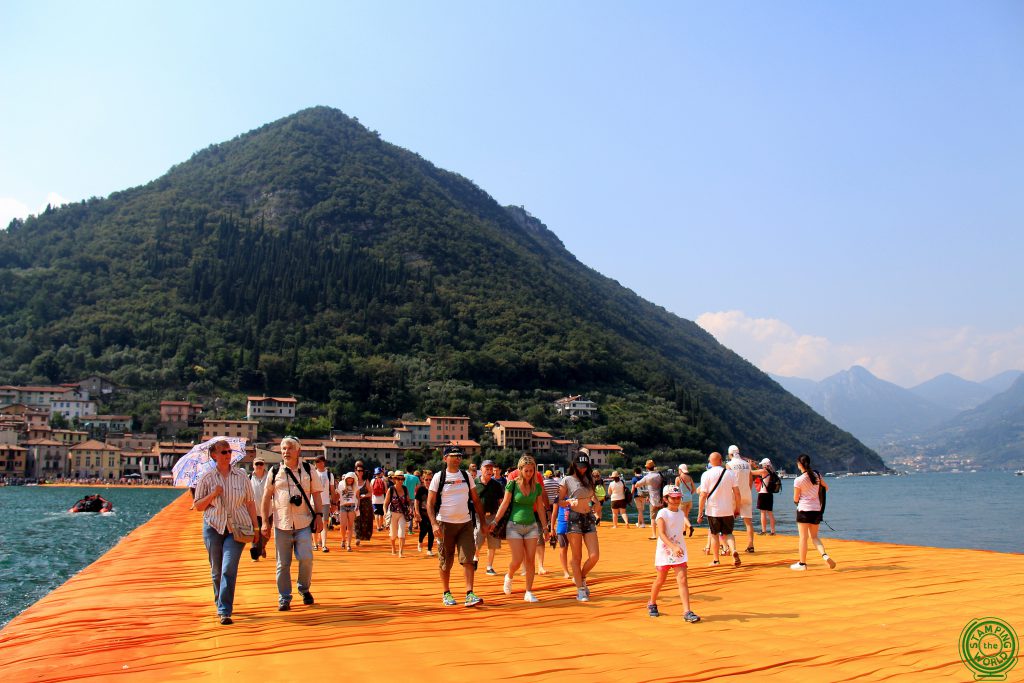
808, 516
378, 509
766, 502
721, 525
619, 504
581, 523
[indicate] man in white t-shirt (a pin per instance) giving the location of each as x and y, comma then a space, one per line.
720, 497
326, 478
448, 501
741, 468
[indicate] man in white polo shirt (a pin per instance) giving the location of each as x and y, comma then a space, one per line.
741, 468
448, 500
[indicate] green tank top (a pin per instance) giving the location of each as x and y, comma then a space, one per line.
522, 505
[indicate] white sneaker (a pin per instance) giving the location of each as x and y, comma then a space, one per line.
530, 597
581, 595
430, 554
798, 567
507, 588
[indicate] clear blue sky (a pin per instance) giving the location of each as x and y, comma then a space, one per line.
818, 183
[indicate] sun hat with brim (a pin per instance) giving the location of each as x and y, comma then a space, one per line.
671, 490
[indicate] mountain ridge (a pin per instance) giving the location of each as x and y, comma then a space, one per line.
310, 255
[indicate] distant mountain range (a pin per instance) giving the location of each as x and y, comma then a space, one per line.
945, 417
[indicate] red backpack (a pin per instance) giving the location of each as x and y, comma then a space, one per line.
379, 487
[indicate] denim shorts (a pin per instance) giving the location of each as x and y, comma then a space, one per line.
521, 531
581, 523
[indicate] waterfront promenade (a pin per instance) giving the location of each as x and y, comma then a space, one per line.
144, 611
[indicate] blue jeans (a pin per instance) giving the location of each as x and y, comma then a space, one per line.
301, 542
225, 552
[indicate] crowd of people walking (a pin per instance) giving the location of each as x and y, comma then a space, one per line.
469, 512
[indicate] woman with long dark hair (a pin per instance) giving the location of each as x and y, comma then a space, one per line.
577, 493
806, 490
364, 519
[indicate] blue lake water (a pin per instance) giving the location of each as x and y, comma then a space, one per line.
944, 510
42, 545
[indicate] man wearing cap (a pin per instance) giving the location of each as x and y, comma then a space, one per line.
258, 480
741, 468
720, 496
490, 493
326, 478
451, 492
654, 481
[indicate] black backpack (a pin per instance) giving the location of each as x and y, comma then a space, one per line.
822, 494
440, 491
774, 484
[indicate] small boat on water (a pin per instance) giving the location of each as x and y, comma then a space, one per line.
1019, 473
93, 503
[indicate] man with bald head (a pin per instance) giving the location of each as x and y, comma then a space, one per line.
720, 497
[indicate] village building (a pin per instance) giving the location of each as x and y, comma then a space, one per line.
179, 414
244, 429
270, 408
94, 459
46, 458
12, 460
512, 435
600, 453
576, 407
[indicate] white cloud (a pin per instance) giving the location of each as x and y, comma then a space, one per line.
11, 208
774, 346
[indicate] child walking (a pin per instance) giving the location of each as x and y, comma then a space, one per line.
670, 526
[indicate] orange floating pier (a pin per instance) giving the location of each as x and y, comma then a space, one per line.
144, 611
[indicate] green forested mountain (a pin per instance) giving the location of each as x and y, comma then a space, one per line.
310, 256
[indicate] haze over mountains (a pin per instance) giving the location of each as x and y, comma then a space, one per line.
946, 419
309, 256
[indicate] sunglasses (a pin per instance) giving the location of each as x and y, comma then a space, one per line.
227, 452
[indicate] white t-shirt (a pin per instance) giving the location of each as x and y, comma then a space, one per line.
325, 485
675, 527
720, 503
347, 495
455, 498
809, 501
286, 515
741, 468
616, 490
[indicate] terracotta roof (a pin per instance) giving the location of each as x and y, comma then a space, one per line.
364, 444
280, 399
601, 447
93, 445
42, 442
507, 424
11, 447
175, 403
542, 435
468, 443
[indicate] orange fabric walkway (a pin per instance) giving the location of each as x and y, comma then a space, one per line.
144, 611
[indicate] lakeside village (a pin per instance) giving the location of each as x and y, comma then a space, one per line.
99, 448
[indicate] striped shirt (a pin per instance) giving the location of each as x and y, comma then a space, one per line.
551, 485
237, 491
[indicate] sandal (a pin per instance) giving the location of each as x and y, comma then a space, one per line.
750, 548
707, 550
736, 559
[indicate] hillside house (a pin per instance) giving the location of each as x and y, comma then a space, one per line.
270, 407
576, 407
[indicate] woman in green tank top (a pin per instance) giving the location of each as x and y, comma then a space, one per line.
525, 495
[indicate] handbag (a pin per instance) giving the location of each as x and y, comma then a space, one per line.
501, 525
243, 533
